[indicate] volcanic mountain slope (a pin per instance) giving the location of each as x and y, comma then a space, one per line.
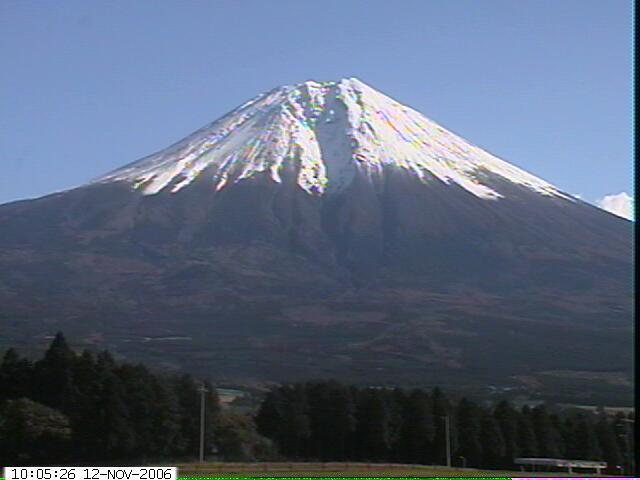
323, 229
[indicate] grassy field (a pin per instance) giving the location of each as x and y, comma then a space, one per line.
346, 470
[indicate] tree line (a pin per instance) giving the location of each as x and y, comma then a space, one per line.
89, 408
328, 421
70, 407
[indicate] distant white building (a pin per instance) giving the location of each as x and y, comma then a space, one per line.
534, 462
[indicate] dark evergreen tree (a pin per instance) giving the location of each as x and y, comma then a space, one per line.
396, 400
118, 437
624, 426
188, 398
332, 420
284, 417
373, 432
135, 389
53, 376
16, 376
568, 432
344, 420
547, 436
527, 441
296, 425
561, 444
492, 441
469, 420
270, 416
84, 421
609, 446
508, 418
418, 429
168, 420
587, 446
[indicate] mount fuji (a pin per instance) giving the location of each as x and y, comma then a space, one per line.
325, 230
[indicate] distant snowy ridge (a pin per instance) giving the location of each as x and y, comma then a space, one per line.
325, 133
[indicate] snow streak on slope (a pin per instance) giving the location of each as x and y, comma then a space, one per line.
323, 134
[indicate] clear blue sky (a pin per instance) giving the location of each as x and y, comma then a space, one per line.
87, 86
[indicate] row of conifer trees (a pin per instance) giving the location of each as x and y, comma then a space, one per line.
88, 408
332, 422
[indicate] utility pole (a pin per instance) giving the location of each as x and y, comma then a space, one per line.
202, 390
447, 431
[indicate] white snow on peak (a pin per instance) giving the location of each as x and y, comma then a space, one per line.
323, 134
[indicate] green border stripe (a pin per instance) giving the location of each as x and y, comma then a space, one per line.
231, 476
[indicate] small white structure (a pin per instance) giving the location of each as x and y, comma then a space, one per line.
560, 463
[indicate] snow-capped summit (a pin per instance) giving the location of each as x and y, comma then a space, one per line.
324, 133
